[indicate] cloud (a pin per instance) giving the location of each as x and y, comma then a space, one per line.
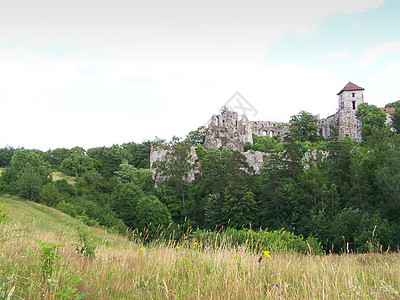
93, 73
373, 53
335, 56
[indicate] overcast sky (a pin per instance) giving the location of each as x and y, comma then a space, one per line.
99, 72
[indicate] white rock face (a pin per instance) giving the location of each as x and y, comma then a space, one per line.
255, 159
158, 154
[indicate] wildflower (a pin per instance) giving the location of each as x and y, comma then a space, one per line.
273, 284
177, 247
267, 254
141, 249
195, 243
192, 261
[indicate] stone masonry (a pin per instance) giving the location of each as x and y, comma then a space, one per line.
226, 130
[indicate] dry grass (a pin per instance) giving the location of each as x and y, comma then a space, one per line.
61, 175
121, 270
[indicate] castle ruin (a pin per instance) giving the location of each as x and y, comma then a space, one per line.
226, 130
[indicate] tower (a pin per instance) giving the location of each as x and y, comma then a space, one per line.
350, 97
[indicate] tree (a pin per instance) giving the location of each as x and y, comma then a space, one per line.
175, 169
197, 137
50, 195
152, 215
304, 127
139, 154
26, 158
141, 177
5, 156
214, 217
372, 118
242, 211
29, 184
124, 200
110, 159
55, 157
77, 164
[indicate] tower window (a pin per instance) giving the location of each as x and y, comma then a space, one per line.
354, 104
353, 94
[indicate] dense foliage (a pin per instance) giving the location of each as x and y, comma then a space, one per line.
342, 193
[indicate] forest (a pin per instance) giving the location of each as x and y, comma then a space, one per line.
340, 194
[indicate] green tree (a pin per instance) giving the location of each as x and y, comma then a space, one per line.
152, 215
55, 157
5, 156
29, 184
124, 200
214, 217
242, 211
304, 127
139, 154
388, 179
110, 159
77, 164
50, 195
175, 169
27, 158
140, 177
197, 137
372, 118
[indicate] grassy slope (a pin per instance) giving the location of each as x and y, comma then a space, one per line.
124, 270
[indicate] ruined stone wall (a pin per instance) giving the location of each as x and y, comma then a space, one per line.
226, 130
325, 125
271, 129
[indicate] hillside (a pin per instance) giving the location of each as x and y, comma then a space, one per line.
120, 269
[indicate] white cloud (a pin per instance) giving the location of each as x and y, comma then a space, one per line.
335, 56
373, 53
100, 72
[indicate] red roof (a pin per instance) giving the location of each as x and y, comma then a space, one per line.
351, 87
388, 110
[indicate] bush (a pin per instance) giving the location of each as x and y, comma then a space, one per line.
279, 241
152, 214
3, 214
50, 195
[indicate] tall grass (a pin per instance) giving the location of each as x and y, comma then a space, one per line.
122, 269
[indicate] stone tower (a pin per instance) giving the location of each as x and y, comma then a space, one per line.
350, 97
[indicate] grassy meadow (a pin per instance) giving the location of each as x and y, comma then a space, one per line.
45, 256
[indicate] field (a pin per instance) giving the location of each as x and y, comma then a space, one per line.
120, 269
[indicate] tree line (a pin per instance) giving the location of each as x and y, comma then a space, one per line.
346, 194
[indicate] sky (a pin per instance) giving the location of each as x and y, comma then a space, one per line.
94, 73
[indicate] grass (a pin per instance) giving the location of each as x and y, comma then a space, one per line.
125, 270
61, 175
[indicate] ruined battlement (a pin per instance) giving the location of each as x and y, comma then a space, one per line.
226, 130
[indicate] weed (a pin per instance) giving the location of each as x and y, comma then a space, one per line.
72, 292
85, 243
48, 254
3, 214
5, 292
